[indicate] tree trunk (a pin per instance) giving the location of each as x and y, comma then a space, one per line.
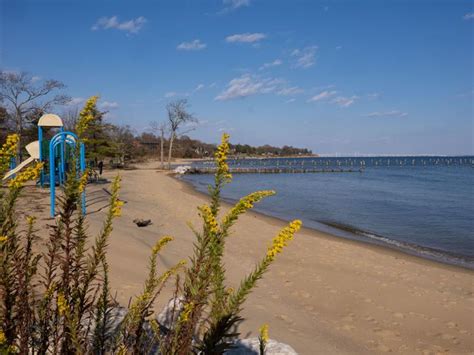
162, 153
170, 150
19, 131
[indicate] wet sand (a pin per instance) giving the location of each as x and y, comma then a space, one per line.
323, 295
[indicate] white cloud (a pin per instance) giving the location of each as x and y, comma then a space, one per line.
392, 113
469, 16
246, 37
344, 101
195, 45
76, 101
248, 85
324, 95
171, 94
338, 47
199, 87
373, 96
290, 101
305, 57
35, 79
132, 26
108, 105
289, 91
275, 63
231, 5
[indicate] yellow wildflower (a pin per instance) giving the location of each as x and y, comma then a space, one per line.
3, 238
245, 204
264, 333
161, 243
83, 181
3, 338
210, 221
117, 208
221, 158
8, 150
184, 316
62, 304
30, 173
281, 240
87, 115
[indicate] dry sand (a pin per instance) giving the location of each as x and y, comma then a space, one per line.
323, 295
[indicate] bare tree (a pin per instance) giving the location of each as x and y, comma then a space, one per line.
22, 94
70, 117
178, 116
161, 128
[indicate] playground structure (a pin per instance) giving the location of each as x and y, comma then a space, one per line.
57, 155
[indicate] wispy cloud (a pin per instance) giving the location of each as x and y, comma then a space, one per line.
246, 37
248, 85
199, 87
324, 95
76, 101
306, 57
275, 63
290, 91
290, 101
195, 45
35, 79
108, 105
468, 16
373, 96
170, 94
231, 5
132, 26
344, 101
392, 113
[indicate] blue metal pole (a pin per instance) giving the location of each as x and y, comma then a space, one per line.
63, 162
40, 140
52, 183
82, 158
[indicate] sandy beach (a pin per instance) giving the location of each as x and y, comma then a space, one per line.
323, 295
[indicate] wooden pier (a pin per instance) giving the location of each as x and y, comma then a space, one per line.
263, 170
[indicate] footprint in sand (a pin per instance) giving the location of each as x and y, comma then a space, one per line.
305, 294
348, 327
399, 315
451, 325
386, 333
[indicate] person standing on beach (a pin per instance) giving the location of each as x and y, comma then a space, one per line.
101, 167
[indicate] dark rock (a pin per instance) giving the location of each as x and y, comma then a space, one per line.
142, 222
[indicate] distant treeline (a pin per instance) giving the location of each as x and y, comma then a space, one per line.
187, 147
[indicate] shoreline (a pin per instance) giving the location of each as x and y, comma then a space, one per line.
350, 234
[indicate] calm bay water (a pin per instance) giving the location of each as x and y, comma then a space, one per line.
422, 205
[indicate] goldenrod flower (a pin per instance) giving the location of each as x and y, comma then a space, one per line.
245, 204
117, 208
3, 239
264, 333
62, 304
30, 173
221, 158
87, 115
8, 150
209, 220
83, 181
281, 240
161, 243
184, 316
3, 338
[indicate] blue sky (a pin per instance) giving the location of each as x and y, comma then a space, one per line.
347, 77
